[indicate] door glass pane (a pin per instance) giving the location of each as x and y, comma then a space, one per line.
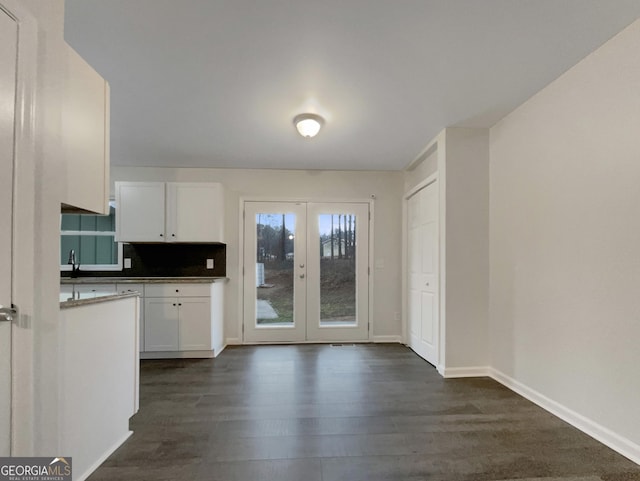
337, 269
274, 269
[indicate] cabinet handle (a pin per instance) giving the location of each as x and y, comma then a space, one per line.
177, 290
173, 235
174, 304
161, 235
180, 304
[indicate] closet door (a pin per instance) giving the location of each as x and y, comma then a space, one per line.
423, 272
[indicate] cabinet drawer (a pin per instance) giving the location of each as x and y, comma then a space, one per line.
178, 290
126, 287
103, 288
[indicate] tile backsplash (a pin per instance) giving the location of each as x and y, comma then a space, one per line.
168, 260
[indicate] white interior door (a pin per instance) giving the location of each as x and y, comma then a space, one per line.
306, 272
423, 272
8, 58
275, 257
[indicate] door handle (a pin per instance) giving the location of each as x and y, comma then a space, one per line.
301, 276
7, 314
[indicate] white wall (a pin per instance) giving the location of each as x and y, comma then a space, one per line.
467, 248
312, 185
460, 156
565, 241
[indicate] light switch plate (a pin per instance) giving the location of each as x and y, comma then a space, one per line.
209, 263
127, 263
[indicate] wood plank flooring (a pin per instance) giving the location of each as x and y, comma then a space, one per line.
344, 413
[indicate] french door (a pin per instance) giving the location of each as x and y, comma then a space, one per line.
306, 272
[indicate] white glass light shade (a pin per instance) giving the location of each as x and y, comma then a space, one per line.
308, 125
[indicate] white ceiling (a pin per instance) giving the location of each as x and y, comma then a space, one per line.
216, 83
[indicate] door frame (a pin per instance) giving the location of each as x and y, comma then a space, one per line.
24, 194
441, 264
240, 300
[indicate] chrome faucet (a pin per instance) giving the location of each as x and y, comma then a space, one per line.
75, 268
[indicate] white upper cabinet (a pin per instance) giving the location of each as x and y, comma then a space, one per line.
169, 212
194, 212
85, 137
140, 212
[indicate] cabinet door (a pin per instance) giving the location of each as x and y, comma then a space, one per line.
195, 323
85, 137
194, 212
217, 316
161, 324
126, 287
140, 208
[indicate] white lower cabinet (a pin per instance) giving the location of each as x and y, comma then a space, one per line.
123, 288
194, 319
161, 331
177, 318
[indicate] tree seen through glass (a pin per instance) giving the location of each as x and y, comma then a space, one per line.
275, 270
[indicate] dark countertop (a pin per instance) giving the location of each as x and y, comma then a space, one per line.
85, 298
140, 280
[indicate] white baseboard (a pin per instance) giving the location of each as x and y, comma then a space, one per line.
177, 355
607, 437
471, 371
385, 339
234, 341
102, 458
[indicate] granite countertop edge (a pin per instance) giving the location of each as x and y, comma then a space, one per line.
96, 300
140, 280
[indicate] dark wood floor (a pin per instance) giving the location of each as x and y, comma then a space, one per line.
343, 413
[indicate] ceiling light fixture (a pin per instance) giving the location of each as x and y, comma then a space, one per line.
308, 125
